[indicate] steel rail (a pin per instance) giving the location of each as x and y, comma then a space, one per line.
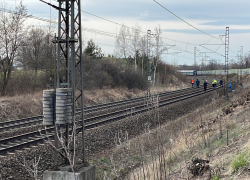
37, 120
24, 140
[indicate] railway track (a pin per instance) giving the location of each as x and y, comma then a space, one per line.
24, 140
37, 120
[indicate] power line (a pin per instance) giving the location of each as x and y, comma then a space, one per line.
107, 33
105, 44
185, 21
28, 16
140, 31
180, 56
213, 51
161, 37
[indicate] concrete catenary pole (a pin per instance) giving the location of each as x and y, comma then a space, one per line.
148, 63
226, 61
241, 63
195, 71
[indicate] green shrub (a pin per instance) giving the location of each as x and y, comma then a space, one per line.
104, 160
101, 73
134, 80
240, 161
215, 177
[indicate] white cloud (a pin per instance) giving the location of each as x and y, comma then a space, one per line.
211, 16
86, 3
144, 14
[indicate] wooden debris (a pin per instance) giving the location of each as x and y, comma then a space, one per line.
198, 166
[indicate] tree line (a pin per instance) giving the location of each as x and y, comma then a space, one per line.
133, 43
31, 48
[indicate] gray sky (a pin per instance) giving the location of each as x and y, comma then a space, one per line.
211, 16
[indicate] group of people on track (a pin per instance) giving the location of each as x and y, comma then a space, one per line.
214, 83
197, 83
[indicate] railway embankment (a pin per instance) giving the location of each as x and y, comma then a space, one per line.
217, 132
102, 139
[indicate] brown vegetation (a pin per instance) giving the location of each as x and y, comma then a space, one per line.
165, 152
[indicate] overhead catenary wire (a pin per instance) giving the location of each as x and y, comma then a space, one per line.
87, 29
161, 37
180, 56
184, 20
133, 27
213, 51
27, 15
109, 33
55, 22
228, 48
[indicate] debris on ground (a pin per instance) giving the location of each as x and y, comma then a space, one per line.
198, 166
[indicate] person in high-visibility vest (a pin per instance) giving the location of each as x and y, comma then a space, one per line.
192, 82
214, 83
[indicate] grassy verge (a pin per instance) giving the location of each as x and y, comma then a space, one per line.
28, 105
209, 133
240, 161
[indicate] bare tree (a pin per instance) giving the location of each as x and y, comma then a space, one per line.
31, 167
66, 145
32, 53
143, 46
158, 48
122, 43
12, 31
135, 40
50, 52
247, 60
212, 65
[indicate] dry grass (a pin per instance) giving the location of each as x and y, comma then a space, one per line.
163, 153
195, 142
104, 95
20, 106
29, 105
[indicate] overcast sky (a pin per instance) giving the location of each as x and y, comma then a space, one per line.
210, 16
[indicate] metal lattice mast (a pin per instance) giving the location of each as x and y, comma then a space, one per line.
69, 49
148, 62
238, 70
241, 63
226, 58
195, 62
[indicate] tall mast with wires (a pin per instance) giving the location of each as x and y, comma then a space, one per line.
195, 71
148, 62
226, 59
241, 63
70, 63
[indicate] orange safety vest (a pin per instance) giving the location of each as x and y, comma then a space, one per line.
192, 81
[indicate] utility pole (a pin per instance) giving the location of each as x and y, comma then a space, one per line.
135, 48
148, 63
69, 69
142, 55
238, 70
195, 71
226, 60
241, 63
